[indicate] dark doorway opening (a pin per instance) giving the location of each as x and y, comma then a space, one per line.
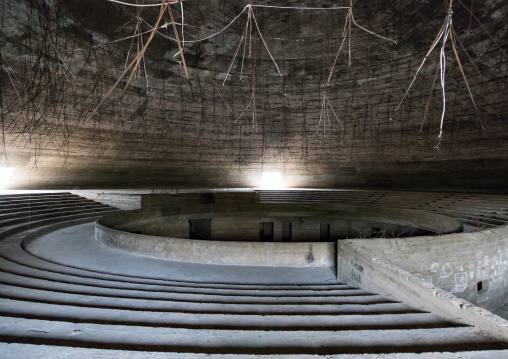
266, 232
200, 228
286, 231
324, 232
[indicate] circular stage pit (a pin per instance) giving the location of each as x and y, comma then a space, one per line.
247, 232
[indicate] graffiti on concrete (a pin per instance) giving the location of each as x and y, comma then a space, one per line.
356, 271
446, 270
460, 283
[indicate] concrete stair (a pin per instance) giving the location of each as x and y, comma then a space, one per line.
50, 304
25, 212
478, 210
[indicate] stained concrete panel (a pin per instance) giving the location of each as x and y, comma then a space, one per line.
218, 252
454, 262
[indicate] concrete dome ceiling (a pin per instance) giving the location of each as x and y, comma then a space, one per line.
59, 59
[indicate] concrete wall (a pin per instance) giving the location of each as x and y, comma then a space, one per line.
329, 213
163, 231
454, 262
237, 216
217, 252
358, 267
187, 136
210, 196
121, 199
303, 229
227, 229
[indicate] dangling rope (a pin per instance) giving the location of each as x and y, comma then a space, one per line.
446, 31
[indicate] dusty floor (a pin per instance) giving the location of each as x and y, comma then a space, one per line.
76, 247
16, 351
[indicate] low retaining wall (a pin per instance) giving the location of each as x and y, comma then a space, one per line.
163, 232
217, 252
371, 273
472, 266
235, 220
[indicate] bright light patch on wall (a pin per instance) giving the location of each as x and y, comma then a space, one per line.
271, 180
5, 173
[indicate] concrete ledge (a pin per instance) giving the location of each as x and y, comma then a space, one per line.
217, 252
357, 267
163, 231
457, 263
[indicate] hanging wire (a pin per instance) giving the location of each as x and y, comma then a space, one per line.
446, 32
346, 32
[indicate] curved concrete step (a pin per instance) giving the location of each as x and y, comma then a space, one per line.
75, 314
35, 331
11, 251
16, 228
56, 213
261, 291
55, 297
469, 209
17, 269
46, 206
6, 198
15, 214
350, 296
41, 203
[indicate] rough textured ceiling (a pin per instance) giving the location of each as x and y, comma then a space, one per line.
58, 62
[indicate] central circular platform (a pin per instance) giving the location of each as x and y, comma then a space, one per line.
243, 231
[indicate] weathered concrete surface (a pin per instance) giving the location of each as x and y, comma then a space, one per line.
371, 273
171, 219
233, 196
26, 275
76, 247
125, 200
217, 252
28, 351
179, 133
162, 232
502, 311
455, 262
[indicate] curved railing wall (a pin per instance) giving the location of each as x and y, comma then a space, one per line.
217, 252
117, 231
